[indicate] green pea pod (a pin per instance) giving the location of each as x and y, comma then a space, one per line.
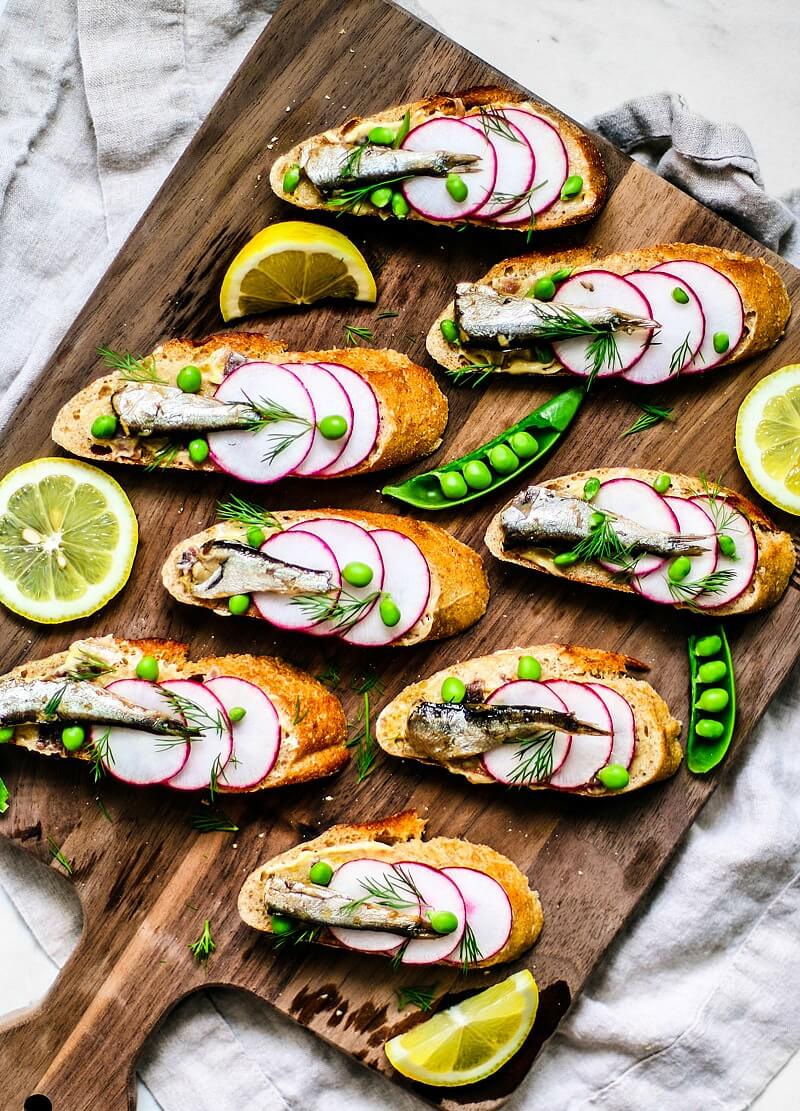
547, 424
704, 753
402, 130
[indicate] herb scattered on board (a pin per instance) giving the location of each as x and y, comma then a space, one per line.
57, 854
330, 676
247, 514
416, 995
363, 741
651, 416
5, 795
212, 822
353, 334
205, 945
386, 315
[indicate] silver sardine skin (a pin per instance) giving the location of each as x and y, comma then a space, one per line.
319, 905
234, 568
334, 166
149, 409
24, 701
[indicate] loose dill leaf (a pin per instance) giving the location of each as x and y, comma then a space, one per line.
57, 854
472, 374
416, 995
349, 200
386, 315
534, 759
100, 755
164, 455
247, 514
267, 412
469, 952
51, 706
685, 592
331, 677
103, 809
5, 795
397, 958
399, 893
299, 713
368, 681
131, 367
651, 416
205, 945
213, 779
210, 822
364, 743
342, 611
353, 333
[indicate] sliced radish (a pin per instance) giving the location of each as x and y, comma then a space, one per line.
132, 755
407, 579
428, 195
729, 522
639, 502
366, 419
350, 879
722, 307
503, 762
250, 456
552, 165
210, 750
601, 289
329, 398
515, 166
256, 737
488, 909
623, 724
692, 521
680, 335
304, 550
438, 893
588, 752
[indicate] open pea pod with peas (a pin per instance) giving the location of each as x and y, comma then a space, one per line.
713, 714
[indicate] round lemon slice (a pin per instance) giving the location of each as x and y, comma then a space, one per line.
470, 1041
68, 535
768, 437
294, 263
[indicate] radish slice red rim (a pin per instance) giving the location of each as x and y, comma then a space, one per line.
366, 420
681, 333
623, 724
588, 752
132, 755
639, 502
210, 750
657, 585
601, 289
735, 574
329, 398
354, 878
429, 195
406, 580
722, 307
525, 763
515, 163
551, 163
256, 736
488, 908
437, 893
304, 550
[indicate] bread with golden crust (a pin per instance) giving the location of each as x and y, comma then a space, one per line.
584, 157
658, 752
395, 839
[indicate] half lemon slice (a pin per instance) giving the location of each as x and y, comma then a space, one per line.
768, 438
294, 263
68, 535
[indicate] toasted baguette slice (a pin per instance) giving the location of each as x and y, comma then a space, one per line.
658, 753
396, 839
584, 157
459, 588
776, 558
766, 302
413, 410
312, 744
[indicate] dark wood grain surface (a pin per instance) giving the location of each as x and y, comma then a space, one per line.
146, 880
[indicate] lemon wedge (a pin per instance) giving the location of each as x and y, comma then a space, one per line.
470, 1041
294, 263
768, 437
68, 535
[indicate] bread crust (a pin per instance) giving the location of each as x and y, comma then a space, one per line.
764, 296
413, 410
312, 742
658, 752
584, 156
459, 586
776, 557
395, 839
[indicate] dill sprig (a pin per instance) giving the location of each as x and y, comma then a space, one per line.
534, 759
5, 795
247, 514
331, 676
130, 367
349, 200
210, 822
197, 719
472, 374
519, 201
351, 161
469, 952
603, 543
651, 416
397, 956
386, 315
493, 122
88, 667
680, 356
353, 333
602, 352
57, 854
164, 456
364, 743
205, 945
267, 412
298, 935
687, 591
416, 995
101, 755
342, 611
716, 504
51, 706
400, 893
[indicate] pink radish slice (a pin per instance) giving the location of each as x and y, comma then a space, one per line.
428, 195
552, 165
515, 167
588, 752
600, 289
329, 398
692, 521
248, 455
623, 724
350, 543
681, 333
407, 578
488, 909
349, 879
639, 502
503, 762
438, 893
729, 522
304, 550
256, 737
135, 756
366, 419
722, 306
211, 748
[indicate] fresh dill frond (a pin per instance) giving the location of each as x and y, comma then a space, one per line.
534, 759
363, 741
716, 505
493, 122
57, 854
398, 892
101, 755
518, 202
350, 200
88, 667
131, 367
164, 456
469, 952
603, 543
198, 720
601, 353
50, 710
416, 995
397, 956
247, 514
267, 412
687, 591
651, 416
5, 795
386, 315
205, 945
299, 935
211, 822
353, 333
472, 374
342, 612
681, 356
351, 161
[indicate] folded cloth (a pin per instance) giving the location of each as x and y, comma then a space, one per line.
698, 1004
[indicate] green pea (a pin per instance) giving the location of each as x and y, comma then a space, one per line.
389, 611
452, 484
721, 342
104, 427
565, 559
544, 289
291, 179
679, 569
357, 573
72, 737
443, 921
256, 536
189, 379
477, 475
523, 444
680, 295
503, 459
714, 699
449, 331
280, 925
561, 274
456, 187
321, 873
333, 427
237, 713
591, 488
596, 519
529, 668
709, 728
239, 603
198, 450
6, 734
708, 646
453, 690
384, 136
400, 206
147, 668
662, 483
381, 197
727, 545
712, 672
571, 187
614, 777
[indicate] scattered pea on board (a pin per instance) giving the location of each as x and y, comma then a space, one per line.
713, 714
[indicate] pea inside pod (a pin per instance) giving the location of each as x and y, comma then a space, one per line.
713, 713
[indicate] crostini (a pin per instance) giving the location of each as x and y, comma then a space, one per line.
378, 887
371, 579
485, 156
645, 316
242, 404
143, 712
547, 716
674, 539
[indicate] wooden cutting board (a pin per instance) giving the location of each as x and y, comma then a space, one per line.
146, 880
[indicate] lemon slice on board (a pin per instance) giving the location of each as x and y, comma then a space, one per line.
294, 263
68, 535
470, 1041
768, 437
